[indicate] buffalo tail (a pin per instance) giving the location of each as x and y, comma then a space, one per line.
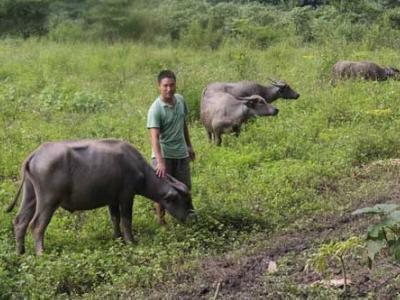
25, 169
11, 206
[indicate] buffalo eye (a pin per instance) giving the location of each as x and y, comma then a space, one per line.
171, 196
283, 89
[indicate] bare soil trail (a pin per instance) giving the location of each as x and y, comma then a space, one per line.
245, 274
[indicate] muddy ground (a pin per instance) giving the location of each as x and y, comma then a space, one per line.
244, 274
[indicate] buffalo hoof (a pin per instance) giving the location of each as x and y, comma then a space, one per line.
21, 250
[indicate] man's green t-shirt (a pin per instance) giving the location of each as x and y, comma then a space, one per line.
170, 120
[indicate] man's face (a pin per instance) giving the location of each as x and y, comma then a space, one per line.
167, 88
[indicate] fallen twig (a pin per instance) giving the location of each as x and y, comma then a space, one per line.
217, 291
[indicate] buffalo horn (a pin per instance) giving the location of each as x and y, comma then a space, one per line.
277, 83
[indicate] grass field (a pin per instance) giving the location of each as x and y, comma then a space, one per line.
281, 170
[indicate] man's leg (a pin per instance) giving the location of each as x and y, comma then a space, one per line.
182, 171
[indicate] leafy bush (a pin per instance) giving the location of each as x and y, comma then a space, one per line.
59, 98
386, 233
67, 30
201, 23
201, 38
338, 251
23, 18
302, 19
87, 102
393, 18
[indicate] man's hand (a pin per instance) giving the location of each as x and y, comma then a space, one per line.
161, 169
192, 155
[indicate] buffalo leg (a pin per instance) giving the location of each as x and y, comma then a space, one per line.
209, 135
217, 137
115, 220
24, 216
125, 210
236, 130
40, 221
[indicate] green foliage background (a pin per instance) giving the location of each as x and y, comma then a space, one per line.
86, 69
205, 24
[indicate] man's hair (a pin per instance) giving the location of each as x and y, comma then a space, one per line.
166, 74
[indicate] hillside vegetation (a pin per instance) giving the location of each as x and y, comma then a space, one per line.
279, 173
204, 24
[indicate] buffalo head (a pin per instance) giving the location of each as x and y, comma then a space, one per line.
258, 106
393, 72
178, 200
285, 91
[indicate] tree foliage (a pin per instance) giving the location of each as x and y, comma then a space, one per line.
203, 23
23, 17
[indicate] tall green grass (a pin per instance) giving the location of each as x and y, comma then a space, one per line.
279, 170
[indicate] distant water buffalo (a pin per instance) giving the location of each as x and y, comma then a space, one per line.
87, 174
362, 69
226, 106
278, 89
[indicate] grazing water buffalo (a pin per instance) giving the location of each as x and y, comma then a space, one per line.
278, 89
87, 174
363, 69
225, 106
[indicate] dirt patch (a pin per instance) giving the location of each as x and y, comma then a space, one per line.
244, 274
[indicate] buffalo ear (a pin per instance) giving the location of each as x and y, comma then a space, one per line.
179, 186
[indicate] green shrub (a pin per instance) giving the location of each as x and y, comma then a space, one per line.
385, 234
88, 102
202, 38
67, 30
302, 19
61, 98
393, 18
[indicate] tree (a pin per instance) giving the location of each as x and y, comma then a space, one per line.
23, 17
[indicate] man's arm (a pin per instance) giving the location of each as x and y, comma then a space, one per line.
192, 155
155, 144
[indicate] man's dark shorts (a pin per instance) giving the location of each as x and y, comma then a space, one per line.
178, 168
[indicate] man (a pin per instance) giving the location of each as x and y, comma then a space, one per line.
169, 134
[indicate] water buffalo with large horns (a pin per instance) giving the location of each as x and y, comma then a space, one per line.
226, 106
277, 89
87, 174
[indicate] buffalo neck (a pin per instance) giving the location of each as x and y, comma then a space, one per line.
154, 188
